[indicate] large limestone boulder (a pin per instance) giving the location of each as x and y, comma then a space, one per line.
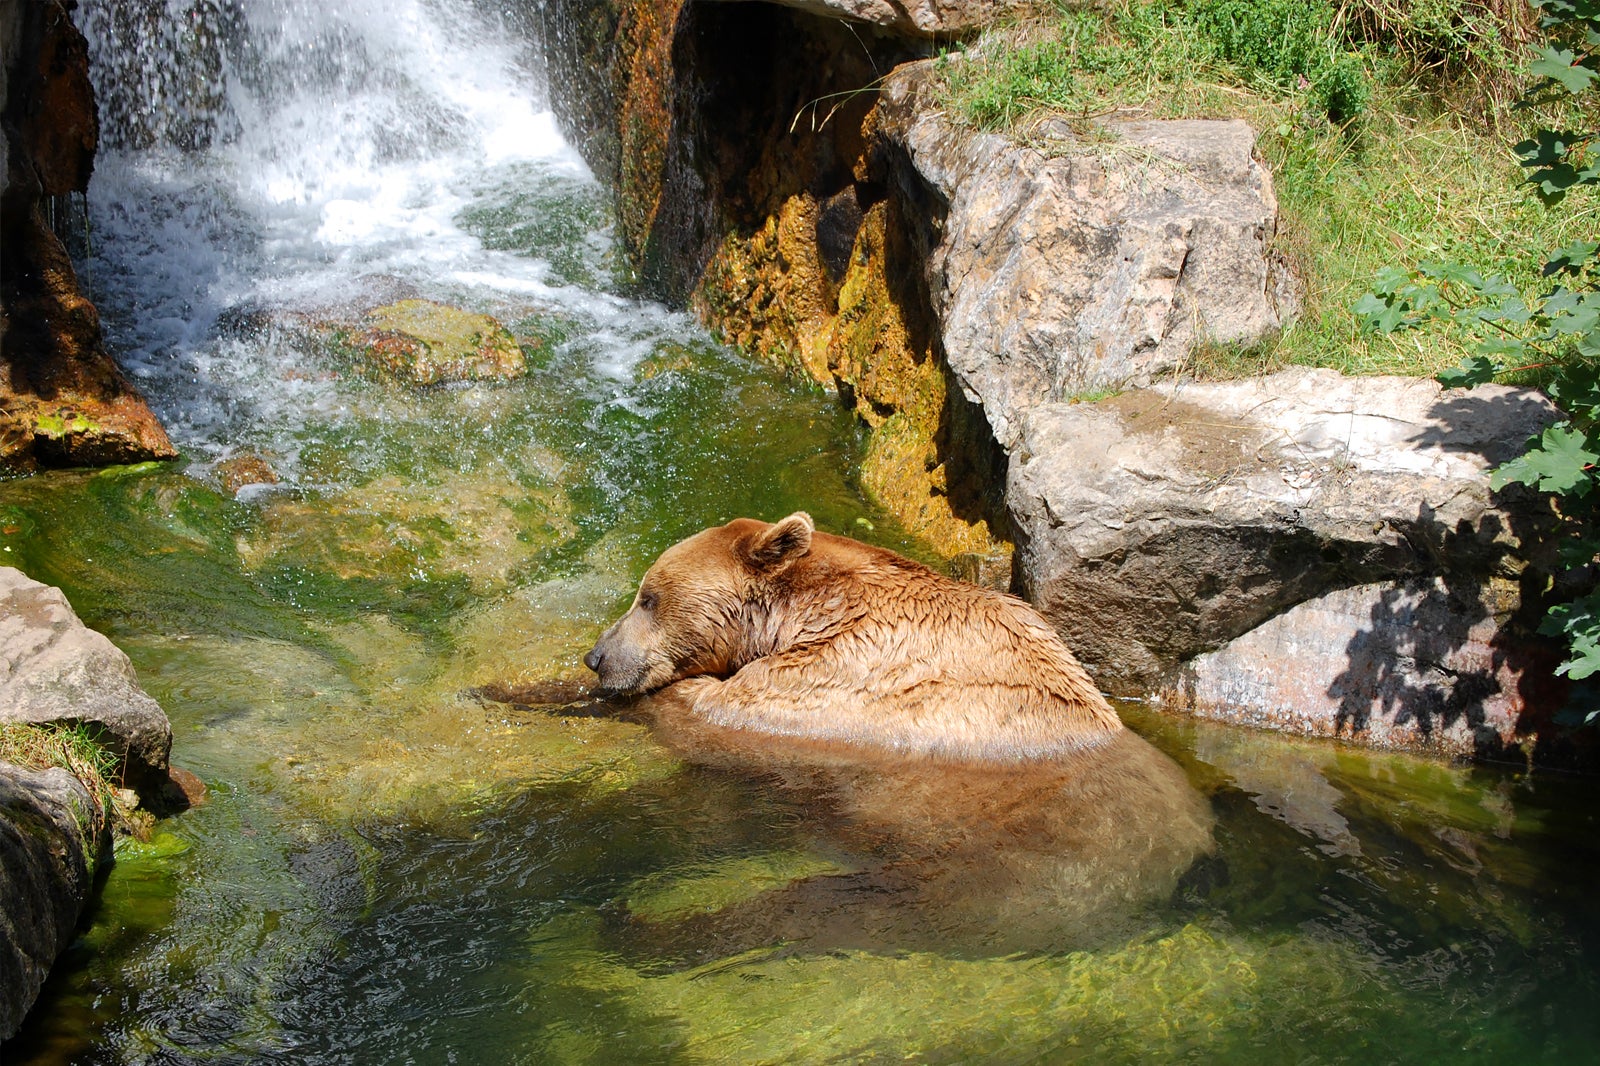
1165, 522
1087, 263
52, 839
1425, 665
54, 669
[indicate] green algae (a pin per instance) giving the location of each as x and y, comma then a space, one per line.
1192, 991
58, 426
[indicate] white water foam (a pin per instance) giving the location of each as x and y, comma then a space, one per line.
349, 140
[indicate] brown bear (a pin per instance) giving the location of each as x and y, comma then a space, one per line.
946, 745
796, 633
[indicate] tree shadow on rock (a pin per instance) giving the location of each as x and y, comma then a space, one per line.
1454, 660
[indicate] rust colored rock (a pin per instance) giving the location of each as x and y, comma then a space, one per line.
184, 790
243, 470
63, 401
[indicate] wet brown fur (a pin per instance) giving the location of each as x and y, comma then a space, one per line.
781, 630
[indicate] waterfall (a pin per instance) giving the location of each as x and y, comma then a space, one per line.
293, 154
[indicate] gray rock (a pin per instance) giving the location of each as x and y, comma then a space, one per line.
53, 668
1165, 522
52, 839
1421, 665
1087, 263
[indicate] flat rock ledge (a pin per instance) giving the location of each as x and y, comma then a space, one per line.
1303, 550
52, 842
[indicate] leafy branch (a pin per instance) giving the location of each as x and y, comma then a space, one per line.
1557, 330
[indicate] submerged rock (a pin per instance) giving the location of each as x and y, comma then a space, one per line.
478, 527
52, 840
54, 669
242, 471
426, 343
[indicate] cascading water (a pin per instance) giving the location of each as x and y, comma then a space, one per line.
400, 862
300, 155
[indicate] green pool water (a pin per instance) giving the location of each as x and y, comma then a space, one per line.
394, 868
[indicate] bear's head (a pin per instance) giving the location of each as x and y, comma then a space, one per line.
700, 608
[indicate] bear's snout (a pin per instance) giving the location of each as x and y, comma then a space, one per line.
618, 666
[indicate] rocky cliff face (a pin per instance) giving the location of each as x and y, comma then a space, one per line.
62, 399
752, 183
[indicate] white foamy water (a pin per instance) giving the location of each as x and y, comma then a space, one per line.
345, 142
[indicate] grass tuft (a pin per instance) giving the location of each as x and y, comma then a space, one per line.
75, 749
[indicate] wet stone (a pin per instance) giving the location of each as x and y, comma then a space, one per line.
245, 470
427, 343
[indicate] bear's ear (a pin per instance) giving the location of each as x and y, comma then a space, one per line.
781, 542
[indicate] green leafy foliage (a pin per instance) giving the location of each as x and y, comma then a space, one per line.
1290, 45
1089, 57
1556, 330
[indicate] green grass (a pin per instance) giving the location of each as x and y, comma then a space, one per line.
75, 749
1386, 124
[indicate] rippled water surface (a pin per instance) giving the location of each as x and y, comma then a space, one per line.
395, 867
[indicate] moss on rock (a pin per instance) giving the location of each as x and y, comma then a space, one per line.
426, 343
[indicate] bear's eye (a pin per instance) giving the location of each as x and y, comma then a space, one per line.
647, 600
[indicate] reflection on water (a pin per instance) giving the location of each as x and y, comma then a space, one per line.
393, 867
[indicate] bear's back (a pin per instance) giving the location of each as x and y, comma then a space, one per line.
887, 651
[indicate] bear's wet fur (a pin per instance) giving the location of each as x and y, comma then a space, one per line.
947, 743
791, 632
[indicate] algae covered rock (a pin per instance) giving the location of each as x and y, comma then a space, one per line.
426, 343
1190, 993
478, 528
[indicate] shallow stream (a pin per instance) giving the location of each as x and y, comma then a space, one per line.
395, 867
